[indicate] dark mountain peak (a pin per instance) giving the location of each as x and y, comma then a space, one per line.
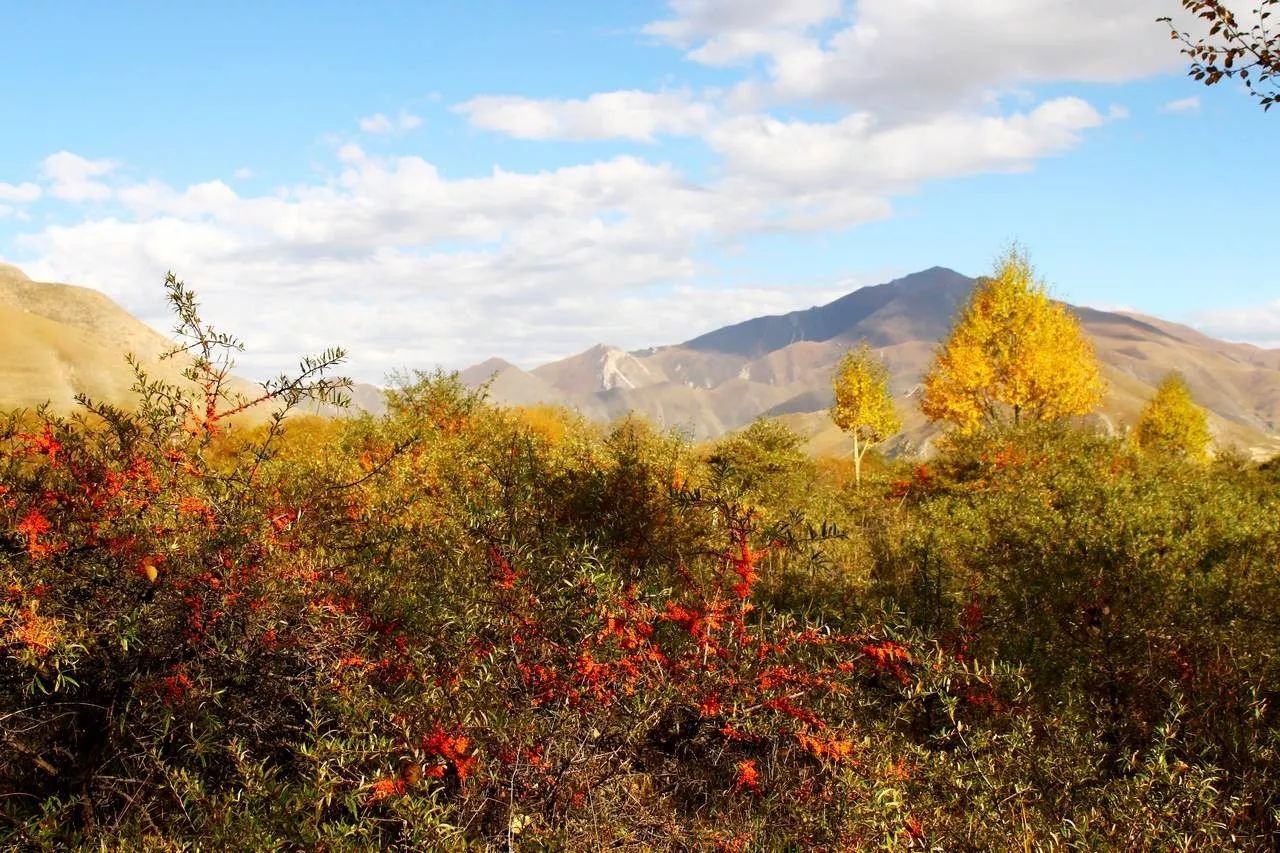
755, 338
932, 279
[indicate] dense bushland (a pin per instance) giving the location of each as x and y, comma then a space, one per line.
462, 625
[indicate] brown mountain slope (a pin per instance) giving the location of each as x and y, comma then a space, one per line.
40, 360
600, 368
81, 309
511, 384
60, 340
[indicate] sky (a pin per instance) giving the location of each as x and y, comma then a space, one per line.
435, 183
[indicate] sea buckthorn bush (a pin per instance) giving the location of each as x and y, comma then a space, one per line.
232, 623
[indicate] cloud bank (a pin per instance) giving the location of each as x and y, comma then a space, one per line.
838, 109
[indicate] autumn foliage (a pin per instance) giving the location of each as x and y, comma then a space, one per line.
1230, 41
462, 626
863, 405
1172, 423
1013, 354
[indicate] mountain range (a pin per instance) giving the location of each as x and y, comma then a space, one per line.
780, 367
57, 340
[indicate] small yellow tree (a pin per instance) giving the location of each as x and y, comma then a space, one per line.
1172, 423
1013, 353
863, 407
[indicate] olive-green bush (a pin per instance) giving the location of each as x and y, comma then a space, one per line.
466, 626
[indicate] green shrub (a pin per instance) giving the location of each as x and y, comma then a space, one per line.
460, 625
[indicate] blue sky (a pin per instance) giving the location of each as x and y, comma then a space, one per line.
438, 182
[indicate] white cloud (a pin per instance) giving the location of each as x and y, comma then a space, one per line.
19, 193
407, 267
244, 173
1182, 105
379, 123
630, 114
73, 177
855, 152
410, 268
915, 56
1259, 324
696, 19
197, 201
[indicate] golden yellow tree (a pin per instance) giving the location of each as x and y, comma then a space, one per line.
863, 407
1013, 353
1172, 423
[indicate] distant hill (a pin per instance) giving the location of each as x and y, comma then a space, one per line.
780, 366
919, 305
511, 384
60, 340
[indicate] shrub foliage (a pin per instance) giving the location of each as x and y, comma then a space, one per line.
464, 626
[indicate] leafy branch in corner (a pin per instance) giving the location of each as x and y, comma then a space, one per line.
1231, 50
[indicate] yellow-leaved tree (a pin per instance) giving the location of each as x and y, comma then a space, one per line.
1013, 353
1172, 423
863, 406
